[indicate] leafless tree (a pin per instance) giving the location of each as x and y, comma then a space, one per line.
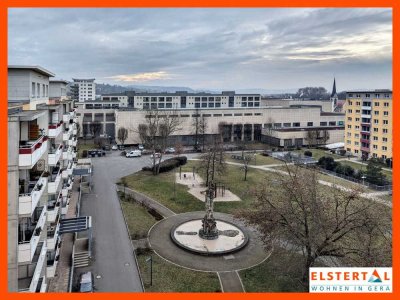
325, 136
213, 162
95, 128
310, 138
199, 125
122, 135
318, 222
159, 126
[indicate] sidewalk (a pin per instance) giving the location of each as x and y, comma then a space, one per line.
61, 279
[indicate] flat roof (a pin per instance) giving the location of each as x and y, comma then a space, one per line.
288, 129
59, 81
28, 115
370, 91
88, 79
37, 69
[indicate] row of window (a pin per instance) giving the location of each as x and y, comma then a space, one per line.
375, 147
366, 129
374, 138
369, 95
365, 112
39, 90
376, 104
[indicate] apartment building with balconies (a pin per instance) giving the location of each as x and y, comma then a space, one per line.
85, 89
37, 175
368, 123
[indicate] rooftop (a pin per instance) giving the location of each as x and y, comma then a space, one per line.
59, 81
37, 69
370, 91
27, 115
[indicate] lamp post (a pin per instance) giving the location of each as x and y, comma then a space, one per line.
363, 178
150, 259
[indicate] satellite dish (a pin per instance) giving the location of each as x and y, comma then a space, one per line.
41, 165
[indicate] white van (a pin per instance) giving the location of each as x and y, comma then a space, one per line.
134, 153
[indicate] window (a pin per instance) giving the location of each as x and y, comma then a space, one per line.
277, 125
357, 127
384, 148
348, 142
237, 115
358, 103
287, 124
227, 115
258, 114
33, 90
386, 113
376, 121
325, 123
332, 123
376, 103
384, 140
309, 124
375, 138
348, 126
37, 90
358, 96
385, 130
350, 96
376, 129
349, 119
387, 96
357, 119
356, 143
248, 114
356, 135
386, 104
355, 151
376, 113
349, 134
217, 115
358, 111
366, 95
297, 124
385, 122
350, 111
375, 147
377, 95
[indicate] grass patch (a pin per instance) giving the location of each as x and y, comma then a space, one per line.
170, 278
83, 146
257, 160
281, 272
318, 153
363, 167
138, 218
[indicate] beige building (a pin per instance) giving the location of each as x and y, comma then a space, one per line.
369, 119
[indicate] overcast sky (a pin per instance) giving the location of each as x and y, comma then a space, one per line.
208, 48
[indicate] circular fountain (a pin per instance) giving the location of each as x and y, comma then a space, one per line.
209, 236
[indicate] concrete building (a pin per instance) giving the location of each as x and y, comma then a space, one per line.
85, 89
28, 85
369, 123
39, 178
58, 89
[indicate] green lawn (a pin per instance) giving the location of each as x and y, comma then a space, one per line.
318, 153
258, 159
357, 166
170, 278
138, 218
82, 146
273, 275
161, 187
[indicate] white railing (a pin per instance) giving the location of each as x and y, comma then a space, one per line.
29, 154
28, 202
53, 185
38, 270
26, 250
55, 130
54, 157
66, 117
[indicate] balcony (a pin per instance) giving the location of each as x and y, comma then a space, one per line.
68, 153
366, 107
366, 116
72, 114
365, 149
66, 117
29, 196
55, 129
52, 260
67, 134
55, 155
72, 142
54, 180
52, 235
31, 151
65, 204
29, 235
35, 283
53, 208
366, 141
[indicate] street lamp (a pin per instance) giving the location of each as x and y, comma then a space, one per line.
363, 178
150, 259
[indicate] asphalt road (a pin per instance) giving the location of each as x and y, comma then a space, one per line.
113, 264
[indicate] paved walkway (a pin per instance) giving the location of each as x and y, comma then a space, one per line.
230, 282
149, 202
60, 282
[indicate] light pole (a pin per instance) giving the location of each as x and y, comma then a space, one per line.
150, 259
363, 178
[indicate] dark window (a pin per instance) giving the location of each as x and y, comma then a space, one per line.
287, 124
183, 102
218, 104
231, 101
160, 105
250, 104
297, 124
257, 104
332, 123
197, 105
237, 115
322, 123
211, 104
244, 104
309, 124
168, 105
169, 99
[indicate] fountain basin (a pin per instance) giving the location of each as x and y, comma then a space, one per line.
230, 238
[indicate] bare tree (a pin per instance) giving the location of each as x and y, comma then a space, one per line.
122, 135
199, 124
319, 223
159, 126
325, 136
213, 162
310, 138
95, 129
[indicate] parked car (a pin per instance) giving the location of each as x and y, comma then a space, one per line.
86, 283
134, 153
107, 148
114, 147
156, 155
141, 147
121, 147
170, 150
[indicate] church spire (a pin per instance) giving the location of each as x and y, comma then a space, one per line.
333, 88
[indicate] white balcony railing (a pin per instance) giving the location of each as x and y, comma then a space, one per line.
54, 182
38, 270
55, 129
366, 107
52, 239
32, 151
29, 201
26, 250
51, 268
55, 155
66, 117
68, 153
365, 116
67, 134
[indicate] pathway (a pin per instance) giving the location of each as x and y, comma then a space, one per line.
230, 282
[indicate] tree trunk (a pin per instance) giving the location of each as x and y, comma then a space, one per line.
309, 263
